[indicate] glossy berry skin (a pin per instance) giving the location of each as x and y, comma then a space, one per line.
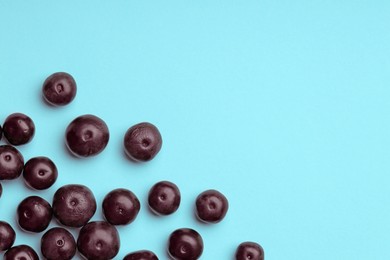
185, 244
164, 198
249, 250
19, 129
120, 207
141, 255
11, 162
21, 252
58, 243
211, 206
142, 142
74, 205
86, 136
40, 173
98, 240
7, 236
34, 214
59, 89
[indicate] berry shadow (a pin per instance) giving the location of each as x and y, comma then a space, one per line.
129, 160
125, 156
42, 98
67, 152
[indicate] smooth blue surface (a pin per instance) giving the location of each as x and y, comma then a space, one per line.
281, 105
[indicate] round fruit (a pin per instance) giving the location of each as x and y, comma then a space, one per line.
185, 244
58, 243
34, 214
11, 162
74, 205
249, 250
142, 142
40, 173
121, 207
98, 240
164, 198
18, 129
86, 136
21, 252
59, 89
141, 255
7, 236
211, 206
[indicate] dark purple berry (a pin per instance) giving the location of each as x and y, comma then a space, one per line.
211, 206
34, 214
40, 173
164, 198
21, 252
58, 243
18, 129
249, 250
142, 142
121, 207
1, 190
74, 205
185, 244
11, 162
7, 236
141, 255
59, 89
1, 132
86, 135
98, 240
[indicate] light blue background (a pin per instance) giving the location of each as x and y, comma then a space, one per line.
281, 105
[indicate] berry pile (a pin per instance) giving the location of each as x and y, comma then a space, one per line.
74, 205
